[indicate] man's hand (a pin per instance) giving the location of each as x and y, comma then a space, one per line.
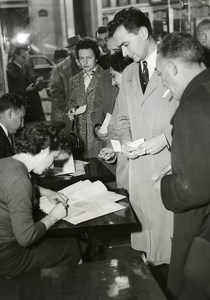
154, 145
107, 154
101, 136
30, 88
54, 197
128, 151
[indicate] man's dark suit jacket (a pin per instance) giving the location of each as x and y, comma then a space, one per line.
5, 145
187, 191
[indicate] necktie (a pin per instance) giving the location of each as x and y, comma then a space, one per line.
143, 75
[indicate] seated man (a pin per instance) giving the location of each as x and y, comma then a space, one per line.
12, 112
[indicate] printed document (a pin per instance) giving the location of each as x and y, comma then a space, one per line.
87, 200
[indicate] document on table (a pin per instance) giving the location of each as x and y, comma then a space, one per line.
87, 200
104, 126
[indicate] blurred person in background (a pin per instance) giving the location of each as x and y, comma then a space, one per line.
22, 81
59, 55
59, 83
82, 92
101, 36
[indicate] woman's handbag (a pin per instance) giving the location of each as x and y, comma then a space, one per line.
75, 141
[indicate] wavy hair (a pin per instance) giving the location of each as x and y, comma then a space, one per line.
32, 138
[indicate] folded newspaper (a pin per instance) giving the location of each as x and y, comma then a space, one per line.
87, 200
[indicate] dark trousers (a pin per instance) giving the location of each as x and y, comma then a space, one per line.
47, 253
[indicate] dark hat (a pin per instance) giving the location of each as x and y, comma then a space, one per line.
60, 53
72, 41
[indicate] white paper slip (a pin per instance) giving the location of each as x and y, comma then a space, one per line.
68, 167
116, 145
103, 129
80, 110
136, 143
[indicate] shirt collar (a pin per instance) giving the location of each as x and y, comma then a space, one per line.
90, 73
5, 129
18, 64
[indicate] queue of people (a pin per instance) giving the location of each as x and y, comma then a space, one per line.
155, 92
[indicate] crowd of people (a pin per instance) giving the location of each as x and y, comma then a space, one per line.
158, 93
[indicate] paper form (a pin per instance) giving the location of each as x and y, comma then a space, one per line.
103, 129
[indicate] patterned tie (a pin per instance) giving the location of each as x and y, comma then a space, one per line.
143, 75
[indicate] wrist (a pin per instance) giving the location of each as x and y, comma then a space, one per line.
52, 218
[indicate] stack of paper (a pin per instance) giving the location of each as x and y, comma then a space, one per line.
87, 200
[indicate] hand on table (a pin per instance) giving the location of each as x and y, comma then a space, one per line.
59, 212
55, 197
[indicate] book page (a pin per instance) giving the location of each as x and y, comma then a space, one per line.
87, 200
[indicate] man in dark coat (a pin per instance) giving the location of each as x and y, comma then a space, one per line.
22, 81
186, 191
12, 111
59, 84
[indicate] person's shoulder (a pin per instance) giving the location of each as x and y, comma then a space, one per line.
130, 70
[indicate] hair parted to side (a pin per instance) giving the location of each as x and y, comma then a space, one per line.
88, 43
32, 138
10, 100
132, 19
118, 62
183, 46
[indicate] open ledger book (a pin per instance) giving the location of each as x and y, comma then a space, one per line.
87, 200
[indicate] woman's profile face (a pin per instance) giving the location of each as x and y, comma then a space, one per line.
116, 77
45, 160
87, 59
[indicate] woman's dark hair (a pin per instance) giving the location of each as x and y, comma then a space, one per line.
88, 43
118, 62
32, 138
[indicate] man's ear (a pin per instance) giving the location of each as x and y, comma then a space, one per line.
203, 39
143, 32
10, 113
173, 68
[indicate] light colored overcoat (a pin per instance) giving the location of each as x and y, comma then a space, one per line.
145, 116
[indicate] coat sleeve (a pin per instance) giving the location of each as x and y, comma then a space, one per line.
188, 187
57, 88
124, 128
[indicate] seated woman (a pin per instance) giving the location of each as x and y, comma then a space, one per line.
82, 92
22, 243
117, 64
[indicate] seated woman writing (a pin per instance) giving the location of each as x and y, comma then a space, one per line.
22, 243
82, 93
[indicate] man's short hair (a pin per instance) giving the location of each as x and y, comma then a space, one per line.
202, 27
101, 30
10, 100
88, 43
118, 62
34, 137
132, 19
181, 45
